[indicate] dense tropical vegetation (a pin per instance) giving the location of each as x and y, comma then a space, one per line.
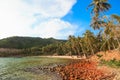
108, 37
13, 46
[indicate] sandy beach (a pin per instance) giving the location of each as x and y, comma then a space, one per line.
67, 57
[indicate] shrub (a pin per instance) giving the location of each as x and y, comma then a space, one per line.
111, 63
99, 55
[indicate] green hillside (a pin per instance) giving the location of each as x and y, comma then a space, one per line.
26, 42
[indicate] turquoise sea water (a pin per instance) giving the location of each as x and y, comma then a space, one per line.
13, 68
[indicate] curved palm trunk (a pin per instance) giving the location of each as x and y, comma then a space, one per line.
92, 51
113, 45
103, 44
108, 45
82, 48
118, 43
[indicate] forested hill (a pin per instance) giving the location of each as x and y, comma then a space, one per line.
26, 42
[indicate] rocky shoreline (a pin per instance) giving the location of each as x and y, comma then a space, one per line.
72, 71
49, 70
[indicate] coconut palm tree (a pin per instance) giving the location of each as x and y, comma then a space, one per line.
106, 38
98, 6
80, 43
89, 41
117, 28
73, 44
111, 30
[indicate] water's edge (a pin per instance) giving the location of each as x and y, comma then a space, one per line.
28, 68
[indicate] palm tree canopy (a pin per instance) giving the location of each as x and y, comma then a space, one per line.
88, 35
99, 6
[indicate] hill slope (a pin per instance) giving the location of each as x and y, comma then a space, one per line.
26, 42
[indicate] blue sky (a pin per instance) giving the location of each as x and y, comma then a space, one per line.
47, 18
81, 15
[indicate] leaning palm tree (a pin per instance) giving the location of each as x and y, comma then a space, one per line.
80, 43
111, 32
108, 36
117, 29
72, 40
98, 6
89, 40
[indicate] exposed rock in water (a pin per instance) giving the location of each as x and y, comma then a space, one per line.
49, 70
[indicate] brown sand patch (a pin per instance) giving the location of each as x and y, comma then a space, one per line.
108, 55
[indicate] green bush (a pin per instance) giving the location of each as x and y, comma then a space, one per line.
99, 55
111, 63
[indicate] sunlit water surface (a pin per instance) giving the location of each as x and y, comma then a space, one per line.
13, 68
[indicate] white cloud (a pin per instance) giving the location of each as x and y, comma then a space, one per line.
56, 28
35, 18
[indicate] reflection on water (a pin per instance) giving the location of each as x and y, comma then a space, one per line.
12, 68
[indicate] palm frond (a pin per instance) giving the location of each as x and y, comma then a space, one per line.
116, 17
